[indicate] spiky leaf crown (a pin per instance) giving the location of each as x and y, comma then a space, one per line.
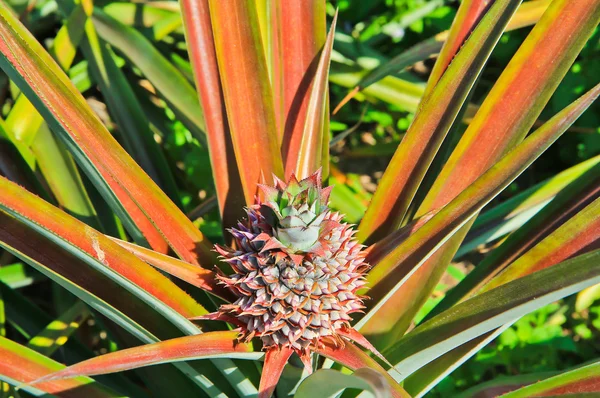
296, 268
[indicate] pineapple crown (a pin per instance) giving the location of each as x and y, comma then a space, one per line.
296, 211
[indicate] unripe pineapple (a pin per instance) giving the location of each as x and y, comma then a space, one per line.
297, 269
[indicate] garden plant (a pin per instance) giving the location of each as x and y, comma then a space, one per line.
169, 181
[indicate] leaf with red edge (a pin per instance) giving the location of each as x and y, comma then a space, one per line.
20, 364
578, 234
275, 360
132, 194
301, 31
312, 151
568, 218
582, 380
192, 274
506, 115
432, 122
469, 13
247, 92
199, 37
391, 274
201, 346
490, 310
467, 17
353, 358
81, 240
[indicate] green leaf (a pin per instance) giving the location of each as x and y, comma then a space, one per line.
175, 88
518, 96
515, 212
430, 126
22, 365
585, 379
490, 310
562, 228
138, 202
123, 106
328, 383
390, 275
57, 333
354, 358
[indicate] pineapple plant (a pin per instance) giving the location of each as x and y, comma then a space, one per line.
294, 299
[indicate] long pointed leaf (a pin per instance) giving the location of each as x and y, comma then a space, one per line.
513, 213
391, 273
506, 115
329, 383
160, 72
575, 230
307, 156
490, 310
199, 277
585, 379
301, 31
433, 120
22, 365
95, 247
206, 345
202, 53
119, 178
247, 92
468, 16
353, 358
124, 107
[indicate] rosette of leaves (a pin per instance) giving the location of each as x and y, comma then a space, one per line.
293, 275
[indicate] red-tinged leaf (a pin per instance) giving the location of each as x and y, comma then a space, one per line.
217, 316
23, 365
203, 57
275, 360
504, 118
579, 234
491, 310
430, 126
133, 195
518, 97
469, 13
20, 203
206, 345
192, 274
353, 358
301, 28
564, 218
424, 379
355, 336
583, 380
388, 279
271, 26
512, 213
377, 251
82, 280
313, 149
247, 92
468, 16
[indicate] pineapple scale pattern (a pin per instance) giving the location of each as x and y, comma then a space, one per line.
296, 268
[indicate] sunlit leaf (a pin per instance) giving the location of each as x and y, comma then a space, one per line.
427, 131
490, 310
